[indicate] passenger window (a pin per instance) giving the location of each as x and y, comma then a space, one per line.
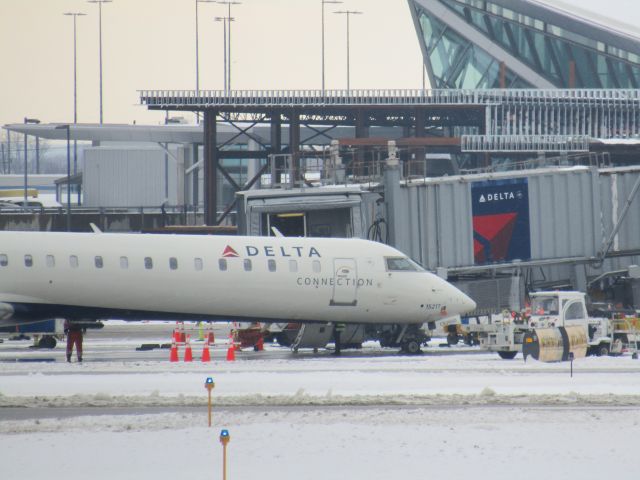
400, 264
4, 260
51, 261
315, 265
73, 261
272, 265
28, 261
124, 263
99, 262
247, 265
173, 263
148, 263
197, 263
293, 266
222, 264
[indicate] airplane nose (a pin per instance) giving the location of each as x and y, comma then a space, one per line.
463, 303
468, 305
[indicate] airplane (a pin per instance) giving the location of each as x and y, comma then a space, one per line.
129, 276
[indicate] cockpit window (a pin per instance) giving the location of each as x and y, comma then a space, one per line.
402, 264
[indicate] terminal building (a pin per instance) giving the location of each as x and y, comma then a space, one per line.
517, 172
523, 44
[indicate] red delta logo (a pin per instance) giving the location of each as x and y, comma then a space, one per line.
229, 252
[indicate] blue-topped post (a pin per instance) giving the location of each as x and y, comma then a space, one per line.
209, 385
224, 440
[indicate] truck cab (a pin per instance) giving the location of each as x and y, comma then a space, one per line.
557, 309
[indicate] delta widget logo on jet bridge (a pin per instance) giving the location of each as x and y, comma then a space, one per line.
501, 221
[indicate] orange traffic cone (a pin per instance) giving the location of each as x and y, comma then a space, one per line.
212, 338
188, 354
231, 353
206, 355
173, 356
182, 333
176, 333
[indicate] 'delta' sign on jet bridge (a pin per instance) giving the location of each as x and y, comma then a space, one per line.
500, 220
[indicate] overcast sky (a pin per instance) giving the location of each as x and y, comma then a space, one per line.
150, 44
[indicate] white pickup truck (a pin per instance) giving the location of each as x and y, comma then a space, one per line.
556, 309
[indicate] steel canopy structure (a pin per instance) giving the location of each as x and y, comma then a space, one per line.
467, 120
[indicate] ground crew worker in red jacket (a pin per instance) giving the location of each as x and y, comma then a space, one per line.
74, 336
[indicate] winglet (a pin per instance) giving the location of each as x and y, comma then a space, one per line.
95, 228
276, 232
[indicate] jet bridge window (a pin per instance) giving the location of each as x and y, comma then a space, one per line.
401, 264
247, 265
73, 261
271, 264
148, 263
28, 261
51, 261
173, 263
4, 260
99, 262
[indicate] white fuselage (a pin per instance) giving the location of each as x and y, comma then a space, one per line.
135, 276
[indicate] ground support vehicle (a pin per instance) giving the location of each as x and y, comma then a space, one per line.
553, 310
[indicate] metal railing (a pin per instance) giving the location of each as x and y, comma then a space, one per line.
258, 98
524, 143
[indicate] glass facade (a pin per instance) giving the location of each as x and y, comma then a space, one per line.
545, 48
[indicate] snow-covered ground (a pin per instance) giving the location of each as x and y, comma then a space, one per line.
369, 415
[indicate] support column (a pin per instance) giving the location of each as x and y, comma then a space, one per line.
392, 178
276, 147
195, 175
421, 116
294, 146
276, 133
362, 131
210, 161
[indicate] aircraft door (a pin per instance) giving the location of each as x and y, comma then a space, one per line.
345, 282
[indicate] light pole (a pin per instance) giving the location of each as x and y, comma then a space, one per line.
324, 2
75, 85
348, 13
197, 51
224, 21
67, 128
100, 2
26, 161
228, 3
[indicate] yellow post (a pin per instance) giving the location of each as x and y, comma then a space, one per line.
224, 440
209, 386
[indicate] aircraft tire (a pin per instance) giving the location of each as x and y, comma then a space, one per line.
411, 347
507, 355
603, 350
